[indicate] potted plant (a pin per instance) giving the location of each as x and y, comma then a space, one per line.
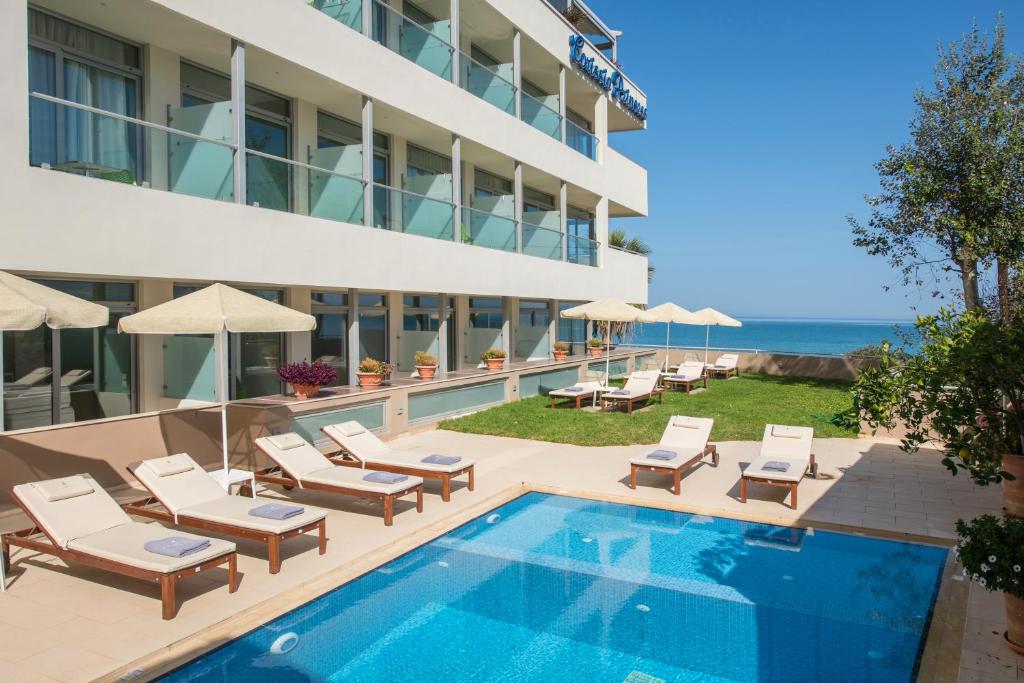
305, 378
594, 346
991, 550
561, 350
371, 372
495, 359
426, 365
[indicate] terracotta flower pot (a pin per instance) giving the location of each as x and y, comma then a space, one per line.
369, 379
495, 363
426, 371
305, 391
595, 351
1013, 491
1014, 623
560, 355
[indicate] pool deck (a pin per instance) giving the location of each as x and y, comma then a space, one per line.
61, 624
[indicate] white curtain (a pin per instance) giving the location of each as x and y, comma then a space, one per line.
94, 138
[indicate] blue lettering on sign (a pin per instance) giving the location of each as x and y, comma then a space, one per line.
614, 82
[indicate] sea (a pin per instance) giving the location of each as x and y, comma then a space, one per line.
782, 335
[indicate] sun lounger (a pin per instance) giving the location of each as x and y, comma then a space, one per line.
34, 377
727, 363
641, 386
580, 392
687, 375
78, 522
784, 460
683, 444
184, 494
301, 465
73, 377
372, 453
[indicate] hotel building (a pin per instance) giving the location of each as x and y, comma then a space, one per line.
436, 175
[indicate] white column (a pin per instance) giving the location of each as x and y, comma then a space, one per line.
601, 126
552, 325
367, 123
461, 326
457, 182
396, 305
563, 217
601, 228
442, 333
517, 70
299, 345
353, 335
152, 292
238, 117
518, 201
162, 88
561, 100
367, 17
455, 25
304, 129
509, 312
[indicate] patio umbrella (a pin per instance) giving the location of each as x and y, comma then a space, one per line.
217, 310
669, 313
708, 317
607, 311
25, 305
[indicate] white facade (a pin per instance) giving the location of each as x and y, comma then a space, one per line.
384, 77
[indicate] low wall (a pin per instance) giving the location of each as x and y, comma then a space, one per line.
818, 367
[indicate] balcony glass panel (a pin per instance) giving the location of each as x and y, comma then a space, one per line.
413, 213
541, 116
348, 12
490, 83
78, 139
285, 185
582, 250
488, 230
581, 140
425, 44
538, 241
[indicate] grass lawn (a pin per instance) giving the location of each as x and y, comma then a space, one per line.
741, 407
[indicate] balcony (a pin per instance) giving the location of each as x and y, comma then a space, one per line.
197, 159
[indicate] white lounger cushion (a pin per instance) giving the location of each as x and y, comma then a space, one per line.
54, 490
287, 441
727, 361
234, 510
585, 387
352, 478
70, 518
786, 432
189, 486
170, 465
794, 473
639, 383
367, 447
297, 461
126, 544
686, 436
793, 448
350, 428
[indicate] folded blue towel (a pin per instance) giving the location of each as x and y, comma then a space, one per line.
679, 377
775, 466
384, 477
618, 392
276, 511
441, 459
662, 455
573, 389
177, 546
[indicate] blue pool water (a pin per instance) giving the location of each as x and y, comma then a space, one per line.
552, 588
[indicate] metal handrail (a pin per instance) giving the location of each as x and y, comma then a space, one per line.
300, 164
451, 48
414, 194
488, 68
510, 219
541, 104
129, 119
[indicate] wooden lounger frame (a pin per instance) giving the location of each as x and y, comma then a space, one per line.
676, 472
605, 399
579, 398
687, 383
445, 478
812, 469
711, 371
154, 508
38, 539
276, 475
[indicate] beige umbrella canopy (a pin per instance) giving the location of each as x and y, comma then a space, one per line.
25, 305
709, 317
217, 310
609, 310
669, 313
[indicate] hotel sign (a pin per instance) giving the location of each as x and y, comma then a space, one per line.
614, 82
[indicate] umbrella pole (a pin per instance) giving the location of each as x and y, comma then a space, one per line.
221, 342
707, 338
2, 383
668, 328
608, 354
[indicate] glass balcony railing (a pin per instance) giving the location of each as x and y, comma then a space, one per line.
489, 230
538, 241
285, 185
581, 140
75, 138
541, 116
424, 44
348, 12
488, 83
581, 250
416, 214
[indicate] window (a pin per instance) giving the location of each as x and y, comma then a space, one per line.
533, 335
95, 368
535, 200
267, 130
572, 331
329, 341
489, 185
421, 327
485, 314
373, 326
79, 64
579, 120
534, 313
580, 223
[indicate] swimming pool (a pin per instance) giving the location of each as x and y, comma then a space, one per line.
556, 588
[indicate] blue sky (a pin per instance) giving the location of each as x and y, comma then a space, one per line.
765, 121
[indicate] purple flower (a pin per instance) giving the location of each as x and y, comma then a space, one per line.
316, 374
